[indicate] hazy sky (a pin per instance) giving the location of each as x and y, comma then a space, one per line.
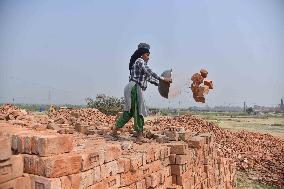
63, 51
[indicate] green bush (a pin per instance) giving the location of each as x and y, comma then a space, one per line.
106, 104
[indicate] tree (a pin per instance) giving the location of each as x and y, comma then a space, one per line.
106, 104
249, 110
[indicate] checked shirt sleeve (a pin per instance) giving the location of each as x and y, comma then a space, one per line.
153, 80
149, 72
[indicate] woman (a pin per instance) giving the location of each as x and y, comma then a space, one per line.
140, 74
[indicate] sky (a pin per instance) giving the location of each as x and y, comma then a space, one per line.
64, 51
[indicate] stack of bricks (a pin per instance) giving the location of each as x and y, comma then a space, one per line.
48, 160
195, 164
11, 167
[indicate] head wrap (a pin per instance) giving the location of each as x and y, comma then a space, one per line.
142, 49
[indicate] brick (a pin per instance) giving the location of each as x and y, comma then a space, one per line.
130, 177
43, 145
182, 159
39, 182
196, 142
91, 158
112, 152
178, 148
97, 174
109, 169
208, 83
123, 165
173, 135
173, 159
18, 183
112, 182
208, 137
86, 179
150, 154
52, 166
5, 148
179, 169
136, 161
197, 78
182, 179
151, 167
11, 169
153, 180
168, 183
70, 181
141, 184
53, 144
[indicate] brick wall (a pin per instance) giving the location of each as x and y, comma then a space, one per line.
48, 160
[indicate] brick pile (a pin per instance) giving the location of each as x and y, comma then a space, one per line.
49, 160
261, 156
200, 86
85, 116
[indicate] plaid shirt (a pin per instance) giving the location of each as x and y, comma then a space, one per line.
141, 73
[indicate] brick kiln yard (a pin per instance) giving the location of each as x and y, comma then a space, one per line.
73, 149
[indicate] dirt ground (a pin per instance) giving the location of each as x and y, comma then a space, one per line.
271, 125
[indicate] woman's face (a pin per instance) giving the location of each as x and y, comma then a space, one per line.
145, 57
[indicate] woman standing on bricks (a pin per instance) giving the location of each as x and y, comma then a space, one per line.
135, 106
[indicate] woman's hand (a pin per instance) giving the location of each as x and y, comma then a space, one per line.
168, 80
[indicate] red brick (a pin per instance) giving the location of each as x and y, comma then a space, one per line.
151, 167
182, 159
130, 177
153, 180
208, 83
53, 166
197, 78
123, 165
91, 158
109, 169
112, 182
141, 184
196, 142
39, 182
53, 144
179, 169
18, 183
136, 161
86, 178
148, 154
11, 169
70, 181
173, 159
5, 148
97, 174
112, 152
208, 137
178, 148
44, 145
